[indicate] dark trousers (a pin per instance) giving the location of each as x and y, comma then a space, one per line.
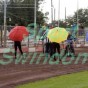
69, 47
47, 48
17, 44
54, 47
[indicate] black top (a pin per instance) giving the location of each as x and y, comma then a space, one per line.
17, 42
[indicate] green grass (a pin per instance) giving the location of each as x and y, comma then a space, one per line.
75, 80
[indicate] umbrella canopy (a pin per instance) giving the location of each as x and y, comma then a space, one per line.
18, 33
57, 35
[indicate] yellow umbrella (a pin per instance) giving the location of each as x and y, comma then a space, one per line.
57, 34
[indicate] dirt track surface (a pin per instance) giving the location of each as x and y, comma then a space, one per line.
14, 74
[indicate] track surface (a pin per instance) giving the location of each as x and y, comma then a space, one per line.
15, 74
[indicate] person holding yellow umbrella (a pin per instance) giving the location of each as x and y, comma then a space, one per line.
57, 35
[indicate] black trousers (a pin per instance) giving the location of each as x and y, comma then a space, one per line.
47, 47
54, 47
69, 47
17, 44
